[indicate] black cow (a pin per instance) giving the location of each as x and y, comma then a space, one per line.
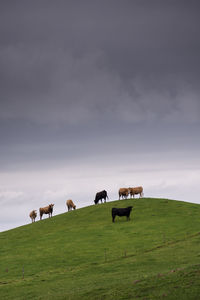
101, 195
121, 212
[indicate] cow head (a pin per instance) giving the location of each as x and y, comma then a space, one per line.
74, 207
51, 206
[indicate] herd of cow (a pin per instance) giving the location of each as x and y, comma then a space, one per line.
123, 194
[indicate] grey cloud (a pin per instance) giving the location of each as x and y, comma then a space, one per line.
108, 143
62, 64
45, 86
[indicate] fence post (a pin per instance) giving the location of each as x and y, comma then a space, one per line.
164, 239
105, 254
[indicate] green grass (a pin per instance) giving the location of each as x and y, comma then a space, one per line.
83, 255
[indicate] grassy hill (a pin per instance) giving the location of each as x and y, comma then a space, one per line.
83, 255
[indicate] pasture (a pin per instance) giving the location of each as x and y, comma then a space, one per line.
82, 254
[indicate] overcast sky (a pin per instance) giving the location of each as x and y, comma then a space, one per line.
97, 95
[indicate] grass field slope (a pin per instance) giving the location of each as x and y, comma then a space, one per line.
82, 255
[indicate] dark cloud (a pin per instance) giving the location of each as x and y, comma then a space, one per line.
52, 86
82, 65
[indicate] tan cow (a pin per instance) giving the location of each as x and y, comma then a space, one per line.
46, 210
123, 192
33, 215
136, 190
70, 204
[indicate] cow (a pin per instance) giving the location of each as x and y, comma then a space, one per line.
101, 195
121, 212
33, 215
46, 210
136, 190
70, 204
123, 192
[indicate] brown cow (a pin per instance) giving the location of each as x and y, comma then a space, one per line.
123, 192
70, 204
136, 190
33, 215
46, 210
